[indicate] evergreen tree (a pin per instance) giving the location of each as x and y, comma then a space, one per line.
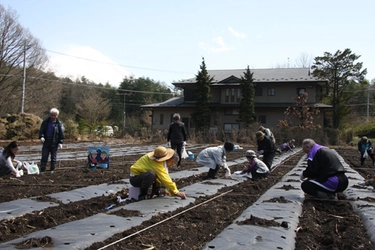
339, 69
246, 112
202, 98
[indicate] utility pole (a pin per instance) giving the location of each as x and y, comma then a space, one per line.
23, 79
368, 101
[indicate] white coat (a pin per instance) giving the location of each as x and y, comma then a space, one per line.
213, 156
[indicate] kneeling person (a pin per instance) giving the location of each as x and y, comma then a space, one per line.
152, 169
256, 167
324, 172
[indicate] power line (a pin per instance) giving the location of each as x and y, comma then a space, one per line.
122, 65
90, 86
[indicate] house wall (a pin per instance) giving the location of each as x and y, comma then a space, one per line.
226, 113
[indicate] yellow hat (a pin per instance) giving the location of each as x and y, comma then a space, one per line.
161, 154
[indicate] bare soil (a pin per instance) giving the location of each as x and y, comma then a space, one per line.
323, 224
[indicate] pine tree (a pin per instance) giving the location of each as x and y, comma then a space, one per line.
246, 112
340, 70
202, 98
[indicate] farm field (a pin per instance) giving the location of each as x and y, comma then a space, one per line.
322, 224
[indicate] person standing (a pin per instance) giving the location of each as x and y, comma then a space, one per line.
177, 135
51, 134
365, 148
268, 133
8, 163
324, 172
266, 147
215, 158
152, 170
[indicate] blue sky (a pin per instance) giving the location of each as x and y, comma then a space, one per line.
166, 40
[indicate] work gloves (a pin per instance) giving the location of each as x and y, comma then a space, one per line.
184, 143
60, 146
42, 140
168, 145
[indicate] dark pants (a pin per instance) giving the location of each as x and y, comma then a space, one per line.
49, 148
369, 155
212, 172
4, 171
143, 181
268, 159
177, 147
256, 176
312, 188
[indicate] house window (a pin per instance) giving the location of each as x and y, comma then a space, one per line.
232, 95
271, 92
230, 127
226, 95
238, 97
262, 119
258, 91
300, 91
231, 111
161, 119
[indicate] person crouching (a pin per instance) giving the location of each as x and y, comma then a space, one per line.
215, 158
256, 167
152, 169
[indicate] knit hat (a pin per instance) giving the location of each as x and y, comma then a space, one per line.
228, 146
259, 134
364, 139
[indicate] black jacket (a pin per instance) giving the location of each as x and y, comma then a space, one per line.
177, 132
266, 145
58, 137
324, 164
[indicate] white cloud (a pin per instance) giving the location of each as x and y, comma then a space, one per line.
77, 61
236, 33
221, 46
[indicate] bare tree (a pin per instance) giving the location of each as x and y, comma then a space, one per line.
18, 49
304, 61
93, 108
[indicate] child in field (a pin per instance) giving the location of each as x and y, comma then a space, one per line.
256, 167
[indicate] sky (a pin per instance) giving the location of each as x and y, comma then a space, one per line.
165, 41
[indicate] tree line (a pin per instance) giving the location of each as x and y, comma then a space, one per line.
27, 85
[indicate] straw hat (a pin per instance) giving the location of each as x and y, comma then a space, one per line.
161, 154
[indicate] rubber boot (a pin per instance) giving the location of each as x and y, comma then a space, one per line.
42, 168
52, 168
211, 174
325, 196
143, 194
155, 191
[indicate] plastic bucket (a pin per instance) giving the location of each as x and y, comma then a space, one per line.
134, 192
191, 156
103, 165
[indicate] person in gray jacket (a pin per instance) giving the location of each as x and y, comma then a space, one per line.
215, 158
177, 136
51, 134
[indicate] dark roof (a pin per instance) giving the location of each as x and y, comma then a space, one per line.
179, 102
173, 102
260, 75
